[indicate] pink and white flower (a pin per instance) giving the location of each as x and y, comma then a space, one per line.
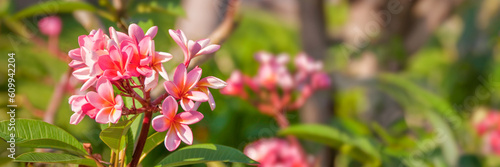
50, 26
109, 106
181, 87
191, 48
176, 124
275, 152
210, 82
81, 106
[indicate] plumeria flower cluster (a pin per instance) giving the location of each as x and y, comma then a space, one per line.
274, 84
275, 152
489, 129
130, 63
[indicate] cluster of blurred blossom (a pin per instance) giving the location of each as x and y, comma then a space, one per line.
489, 129
130, 63
274, 85
276, 152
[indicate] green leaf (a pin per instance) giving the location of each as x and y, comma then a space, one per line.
50, 7
54, 158
27, 130
358, 148
50, 143
115, 135
202, 153
151, 142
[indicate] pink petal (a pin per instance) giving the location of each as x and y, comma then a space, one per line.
211, 100
76, 102
187, 104
145, 45
172, 89
115, 115
180, 75
160, 123
185, 134
152, 32
135, 32
105, 62
169, 107
193, 49
212, 82
76, 118
172, 141
203, 42
181, 40
82, 73
96, 100
208, 50
192, 78
197, 96
103, 115
162, 72
105, 89
151, 81
118, 102
189, 117
75, 54
163, 57
88, 83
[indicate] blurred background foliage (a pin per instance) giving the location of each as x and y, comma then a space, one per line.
408, 108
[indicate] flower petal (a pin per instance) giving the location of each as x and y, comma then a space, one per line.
151, 81
192, 78
185, 134
105, 90
76, 118
197, 96
189, 117
180, 75
152, 32
115, 115
208, 50
135, 32
171, 89
172, 141
169, 107
160, 123
212, 82
88, 83
96, 100
103, 115
187, 104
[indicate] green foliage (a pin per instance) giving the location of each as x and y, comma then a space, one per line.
51, 7
152, 141
359, 148
202, 153
115, 135
54, 158
40, 134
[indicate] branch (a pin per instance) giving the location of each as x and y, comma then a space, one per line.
55, 101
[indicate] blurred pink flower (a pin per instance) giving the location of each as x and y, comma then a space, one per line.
182, 85
273, 70
320, 80
275, 152
81, 106
235, 85
210, 82
493, 142
191, 48
50, 25
490, 123
177, 124
110, 108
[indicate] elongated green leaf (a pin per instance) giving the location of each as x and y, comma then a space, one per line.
26, 130
50, 7
358, 148
151, 142
54, 158
202, 153
115, 135
50, 143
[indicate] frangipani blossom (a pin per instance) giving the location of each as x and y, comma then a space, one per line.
50, 26
176, 124
81, 106
235, 85
275, 152
181, 87
210, 82
110, 108
191, 48
273, 70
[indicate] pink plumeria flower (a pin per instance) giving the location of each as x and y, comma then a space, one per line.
307, 64
155, 63
273, 71
116, 64
177, 124
210, 82
275, 152
320, 80
81, 106
191, 48
181, 87
235, 84
50, 26
109, 106
490, 123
